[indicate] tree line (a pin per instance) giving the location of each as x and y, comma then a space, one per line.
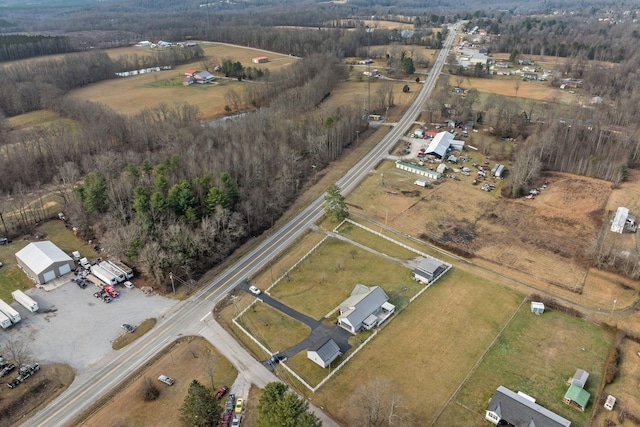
20, 46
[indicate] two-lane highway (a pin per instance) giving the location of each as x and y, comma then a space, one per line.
96, 381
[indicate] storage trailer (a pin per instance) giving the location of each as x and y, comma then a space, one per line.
115, 271
104, 275
128, 272
25, 300
10, 312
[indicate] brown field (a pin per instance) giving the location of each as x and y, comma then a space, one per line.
521, 234
130, 95
187, 359
533, 90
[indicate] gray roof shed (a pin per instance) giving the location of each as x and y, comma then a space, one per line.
324, 352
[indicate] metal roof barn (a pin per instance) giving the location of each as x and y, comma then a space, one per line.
43, 261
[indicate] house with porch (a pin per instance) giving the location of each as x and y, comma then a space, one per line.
366, 308
508, 408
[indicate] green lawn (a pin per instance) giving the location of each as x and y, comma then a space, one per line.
326, 278
536, 355
266, 324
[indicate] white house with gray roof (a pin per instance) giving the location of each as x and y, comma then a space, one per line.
519, 410
324, 352
428, 269
43, 261
366, 308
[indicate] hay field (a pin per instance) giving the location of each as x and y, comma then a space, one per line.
130, 95
541, 91
178, 362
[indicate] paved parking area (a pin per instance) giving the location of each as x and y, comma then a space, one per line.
74, 327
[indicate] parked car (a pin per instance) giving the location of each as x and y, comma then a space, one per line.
239, 405
231, 401
254, 290
167, 380
228, 414
276, 358
127, 327
236, 422
221, 392
81, 283
128, 284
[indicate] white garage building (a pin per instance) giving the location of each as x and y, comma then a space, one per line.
43, 261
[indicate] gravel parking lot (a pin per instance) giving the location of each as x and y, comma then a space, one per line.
74, 327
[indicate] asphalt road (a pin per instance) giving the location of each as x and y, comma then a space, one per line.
98, 379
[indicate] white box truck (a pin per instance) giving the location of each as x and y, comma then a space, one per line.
115, 271
84, 263
5, 322
104, 275
25, 300
128, 272
10, 312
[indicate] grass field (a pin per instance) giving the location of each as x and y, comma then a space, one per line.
127, 338
372, 241
266, 325
427, 349
326, 278
536, 355
188, 359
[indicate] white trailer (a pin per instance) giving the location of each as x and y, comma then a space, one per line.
10, 312
119, 274
104, 275
128, 272
25, 300
5, 322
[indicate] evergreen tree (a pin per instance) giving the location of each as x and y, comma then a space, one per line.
93, 193
279, 407
200, 407
335, 205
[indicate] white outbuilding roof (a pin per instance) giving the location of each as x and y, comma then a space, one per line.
40, 255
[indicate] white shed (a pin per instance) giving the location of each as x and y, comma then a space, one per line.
537, 307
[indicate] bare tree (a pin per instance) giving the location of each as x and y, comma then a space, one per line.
18, 351
516, 86
148, 390
376, 403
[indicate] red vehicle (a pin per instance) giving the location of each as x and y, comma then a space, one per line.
111, 291
221, 392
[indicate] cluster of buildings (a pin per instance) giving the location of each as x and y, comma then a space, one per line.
194, 76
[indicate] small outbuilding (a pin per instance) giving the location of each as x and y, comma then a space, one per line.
324, 352
43, 261
579, 378
537, 307
428, 269
260, 60
577, 397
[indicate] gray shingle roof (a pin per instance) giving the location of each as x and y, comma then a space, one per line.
328, 350
362, 303
521, 412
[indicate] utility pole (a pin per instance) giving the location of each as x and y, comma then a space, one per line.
369, 31
173, 286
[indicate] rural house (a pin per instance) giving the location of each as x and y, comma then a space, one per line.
324, 352
366, 308
537, 307
530, 76
518, 409
203, 77
43, 261
428, 270
260, 60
